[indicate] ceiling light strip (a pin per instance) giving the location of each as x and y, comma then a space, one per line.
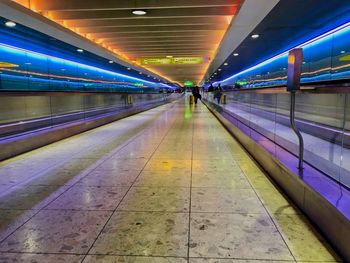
286, 52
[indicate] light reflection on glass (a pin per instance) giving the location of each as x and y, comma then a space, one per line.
324, 60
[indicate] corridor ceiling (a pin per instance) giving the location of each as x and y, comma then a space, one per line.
181, 28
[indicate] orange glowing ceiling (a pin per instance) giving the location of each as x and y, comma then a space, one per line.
181, 28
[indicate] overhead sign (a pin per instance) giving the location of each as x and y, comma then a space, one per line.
7, 65
188, 60
156, 61
172, 61
188, 83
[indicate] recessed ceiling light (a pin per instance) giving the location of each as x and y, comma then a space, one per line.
129, 68
140, 73
225, 64
235, 54
110, 62
215, 73
255, 36
139, 12
10, 24
342, 52
219, 69
80, 50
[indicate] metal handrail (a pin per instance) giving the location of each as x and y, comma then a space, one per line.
296, 131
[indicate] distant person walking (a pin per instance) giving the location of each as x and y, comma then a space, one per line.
218, 93
196, 94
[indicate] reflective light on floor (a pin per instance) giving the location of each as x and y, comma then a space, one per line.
166, 185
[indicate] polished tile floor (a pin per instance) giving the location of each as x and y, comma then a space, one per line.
165, 186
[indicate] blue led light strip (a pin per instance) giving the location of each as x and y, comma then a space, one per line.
305, 44
56, 59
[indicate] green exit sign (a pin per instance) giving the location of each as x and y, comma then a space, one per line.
188, 83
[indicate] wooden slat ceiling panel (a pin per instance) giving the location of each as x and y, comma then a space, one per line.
170, 28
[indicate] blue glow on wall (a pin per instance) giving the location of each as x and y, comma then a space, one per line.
321, 62
41, 67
